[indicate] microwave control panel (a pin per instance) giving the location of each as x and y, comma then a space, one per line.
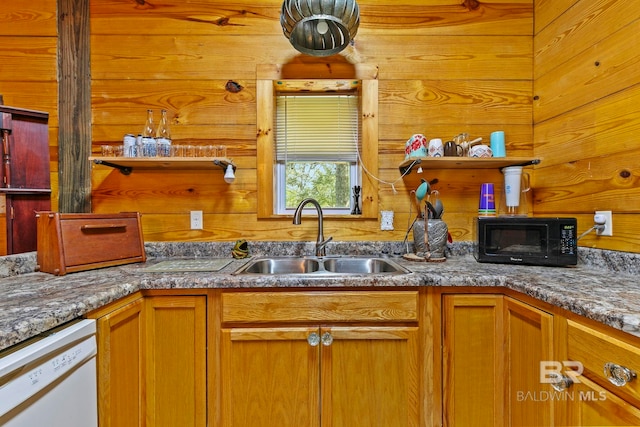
568, 239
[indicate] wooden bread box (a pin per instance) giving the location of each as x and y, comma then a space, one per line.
71, 242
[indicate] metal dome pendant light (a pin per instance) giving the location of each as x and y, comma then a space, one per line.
320, 27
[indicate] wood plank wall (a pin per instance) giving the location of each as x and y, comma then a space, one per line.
445, 66
586, 115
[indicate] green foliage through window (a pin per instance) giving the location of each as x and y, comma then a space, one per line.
327, 182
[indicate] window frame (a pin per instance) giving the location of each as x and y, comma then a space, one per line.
354, 164
327, 77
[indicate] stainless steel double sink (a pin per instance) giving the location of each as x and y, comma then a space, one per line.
322, 266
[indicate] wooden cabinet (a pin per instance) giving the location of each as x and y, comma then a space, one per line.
341, 358
589, 404
528, 343
26, 181
335, 359
270, 377
152, 362
492, 349
176, 360
120, 364
473, 366
597, 353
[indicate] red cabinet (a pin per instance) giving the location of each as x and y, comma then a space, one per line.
26, 181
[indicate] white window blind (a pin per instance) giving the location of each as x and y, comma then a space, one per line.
317, 127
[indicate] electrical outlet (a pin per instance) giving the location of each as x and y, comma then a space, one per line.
386, 220
608, 225
196, 220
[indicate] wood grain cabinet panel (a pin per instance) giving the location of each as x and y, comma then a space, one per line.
473, 367
270, 377
493, 346
301, 370
152, 362
593, 400
528, 343
589, 404
594, 349
120, 367
176, 361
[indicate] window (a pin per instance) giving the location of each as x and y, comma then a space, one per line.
317, 145
337, 79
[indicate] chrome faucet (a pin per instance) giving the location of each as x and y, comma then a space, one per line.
321, 243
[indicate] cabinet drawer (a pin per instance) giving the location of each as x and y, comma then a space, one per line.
317, 306
593, 348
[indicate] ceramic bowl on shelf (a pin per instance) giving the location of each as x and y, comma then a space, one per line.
480, 151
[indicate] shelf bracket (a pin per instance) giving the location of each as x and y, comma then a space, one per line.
224, 164
407, 169
125, 170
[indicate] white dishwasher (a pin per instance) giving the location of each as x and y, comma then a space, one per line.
50, 380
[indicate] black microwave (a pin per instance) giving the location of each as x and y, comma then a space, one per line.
524, 240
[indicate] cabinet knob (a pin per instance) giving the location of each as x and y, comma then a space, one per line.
618, 375
327, 339
313, 339
562, 382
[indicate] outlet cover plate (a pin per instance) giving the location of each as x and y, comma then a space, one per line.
196, 220
608, 225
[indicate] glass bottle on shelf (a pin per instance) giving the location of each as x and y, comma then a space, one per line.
148, 141
163, 136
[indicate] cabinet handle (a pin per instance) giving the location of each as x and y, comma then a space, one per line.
618, 375
562, 383
327, 339
101, 226
313, 339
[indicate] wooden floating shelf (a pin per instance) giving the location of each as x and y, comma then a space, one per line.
465, 163
127, 164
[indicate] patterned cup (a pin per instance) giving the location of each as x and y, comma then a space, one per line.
416, 146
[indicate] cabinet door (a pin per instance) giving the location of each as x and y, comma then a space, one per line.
591, 405
270, 377
120, 371
176, 372
21, 221
529, 341
370, 376
473, 367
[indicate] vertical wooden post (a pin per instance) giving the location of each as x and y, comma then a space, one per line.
74, 106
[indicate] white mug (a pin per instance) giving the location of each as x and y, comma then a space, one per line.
436, 148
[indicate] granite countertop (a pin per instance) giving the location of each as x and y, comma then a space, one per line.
602, 287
